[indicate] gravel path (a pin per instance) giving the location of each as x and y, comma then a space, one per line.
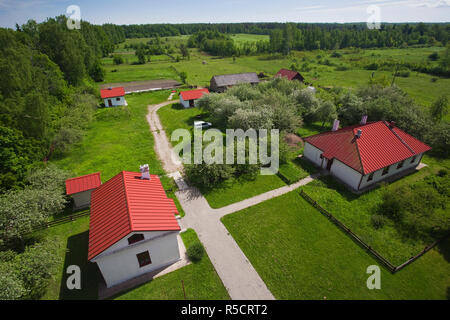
236, 272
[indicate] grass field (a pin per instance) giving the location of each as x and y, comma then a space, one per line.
300, 254
356, 211
201, 281
201, 67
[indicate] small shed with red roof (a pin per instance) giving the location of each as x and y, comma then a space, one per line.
290, 75
365, 154
189, 98
80, 189
133, 229
113, 97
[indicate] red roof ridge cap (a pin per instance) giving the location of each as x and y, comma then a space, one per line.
128, 200
402, 141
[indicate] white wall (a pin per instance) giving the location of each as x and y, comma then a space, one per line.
313, 154
348, 175
184, 103
82, 199
115, 102
378, 175
119, 263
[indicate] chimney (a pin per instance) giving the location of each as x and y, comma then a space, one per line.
359, 133
336, 125
364, 120
145, 172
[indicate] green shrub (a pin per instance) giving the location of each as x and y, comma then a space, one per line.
378, 221
372, 66
195, 252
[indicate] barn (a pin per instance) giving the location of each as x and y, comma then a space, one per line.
133, 229
113, 97
362, 155
80, 189
189, 98
290, 75
223, 82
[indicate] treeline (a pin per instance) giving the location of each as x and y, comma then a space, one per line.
46, 92
311, 37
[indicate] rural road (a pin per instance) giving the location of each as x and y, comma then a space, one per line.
234, 269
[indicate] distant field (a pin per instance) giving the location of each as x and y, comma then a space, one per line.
201, 67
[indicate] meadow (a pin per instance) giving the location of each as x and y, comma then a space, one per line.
320, 68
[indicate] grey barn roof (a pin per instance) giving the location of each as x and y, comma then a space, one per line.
232, 79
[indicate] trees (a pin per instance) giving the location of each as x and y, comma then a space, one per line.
439, 108
118, 59
326, 112
140, 54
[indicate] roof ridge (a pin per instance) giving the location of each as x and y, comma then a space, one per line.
84, 176
127, 200
359, 154
401, 140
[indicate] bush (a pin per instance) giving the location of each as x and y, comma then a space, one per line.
195, 252
372, 66
378, 221
434, 56
118, 59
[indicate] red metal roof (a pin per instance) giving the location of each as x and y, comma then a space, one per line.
127, 204
379, 146
289, 74
112, 92
84, 183
193, 94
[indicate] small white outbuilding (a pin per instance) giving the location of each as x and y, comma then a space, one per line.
113, 97
80, 189
133, 229
188, 99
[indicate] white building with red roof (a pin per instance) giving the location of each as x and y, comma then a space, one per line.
133, 229
365, 154
189, 98
80, 189
113, 97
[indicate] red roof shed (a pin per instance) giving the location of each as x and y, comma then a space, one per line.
84, 183
193, 94
290, 75
112, 92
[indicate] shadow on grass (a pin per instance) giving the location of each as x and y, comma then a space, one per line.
444, 249
76, 254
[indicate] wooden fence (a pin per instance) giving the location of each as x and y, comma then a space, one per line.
62, 220
358, 240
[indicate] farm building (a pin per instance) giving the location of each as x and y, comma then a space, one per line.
365, 154
189, 98
290, 75
80, 189
223, 82
133, 229
113, 97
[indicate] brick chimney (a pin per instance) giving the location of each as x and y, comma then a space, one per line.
364, 120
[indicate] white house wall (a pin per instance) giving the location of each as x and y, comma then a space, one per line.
378, 175
184, 103
82, 199
115, 103
123, 265
348, 175
312, 154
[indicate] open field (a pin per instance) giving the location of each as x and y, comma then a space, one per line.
300, 254
355, 212
201, 67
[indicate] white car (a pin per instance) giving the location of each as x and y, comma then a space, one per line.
202, 125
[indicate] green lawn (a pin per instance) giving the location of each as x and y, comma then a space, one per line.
355, 211
300, 254
201, 281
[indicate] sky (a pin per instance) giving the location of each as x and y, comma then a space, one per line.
213, 11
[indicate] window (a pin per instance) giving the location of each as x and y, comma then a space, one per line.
144, 259
117, 99
413, 159
370, 178
401, 164
135, 238
385, 171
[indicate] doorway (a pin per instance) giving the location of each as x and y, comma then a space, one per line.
329, 164
110, 103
